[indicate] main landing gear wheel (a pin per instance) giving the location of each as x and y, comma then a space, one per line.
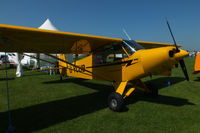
115, 101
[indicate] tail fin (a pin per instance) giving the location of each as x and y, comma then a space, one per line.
197, 64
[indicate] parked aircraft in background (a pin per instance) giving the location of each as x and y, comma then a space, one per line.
1, 62
12, 59
8, 57
197, 64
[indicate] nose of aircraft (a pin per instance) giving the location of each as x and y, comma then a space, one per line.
181, 54
159, 60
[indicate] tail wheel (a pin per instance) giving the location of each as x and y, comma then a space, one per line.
61, 77
153, 90
115, 101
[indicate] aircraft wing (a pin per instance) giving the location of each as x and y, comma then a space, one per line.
148, 45
32, 40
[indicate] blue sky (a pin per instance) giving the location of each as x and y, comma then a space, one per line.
144, 20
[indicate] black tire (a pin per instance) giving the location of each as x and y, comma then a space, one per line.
61, 78
115, 101
154, 92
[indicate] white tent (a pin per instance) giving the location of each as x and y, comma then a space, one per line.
47, 25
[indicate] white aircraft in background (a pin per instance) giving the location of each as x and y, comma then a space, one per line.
12, 58
1, 62
8, 58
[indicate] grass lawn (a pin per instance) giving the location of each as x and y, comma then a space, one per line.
42, 103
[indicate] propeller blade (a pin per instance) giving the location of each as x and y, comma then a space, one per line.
182, 63
172, 35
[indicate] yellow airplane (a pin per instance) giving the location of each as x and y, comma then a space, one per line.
197, 64
116, 60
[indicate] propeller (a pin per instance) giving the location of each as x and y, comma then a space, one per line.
182, 63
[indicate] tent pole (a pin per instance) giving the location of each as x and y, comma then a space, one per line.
10, 127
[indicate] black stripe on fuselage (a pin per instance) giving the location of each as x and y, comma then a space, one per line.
113, 64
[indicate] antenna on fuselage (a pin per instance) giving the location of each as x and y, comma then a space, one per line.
129, 38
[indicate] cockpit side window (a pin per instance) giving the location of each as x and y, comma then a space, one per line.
115, 51
109, 53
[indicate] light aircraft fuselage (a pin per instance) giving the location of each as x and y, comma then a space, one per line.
110, 59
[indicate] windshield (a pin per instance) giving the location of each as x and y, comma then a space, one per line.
131, 46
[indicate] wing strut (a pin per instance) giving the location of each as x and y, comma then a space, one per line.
38, 58
75, 66
67, 62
